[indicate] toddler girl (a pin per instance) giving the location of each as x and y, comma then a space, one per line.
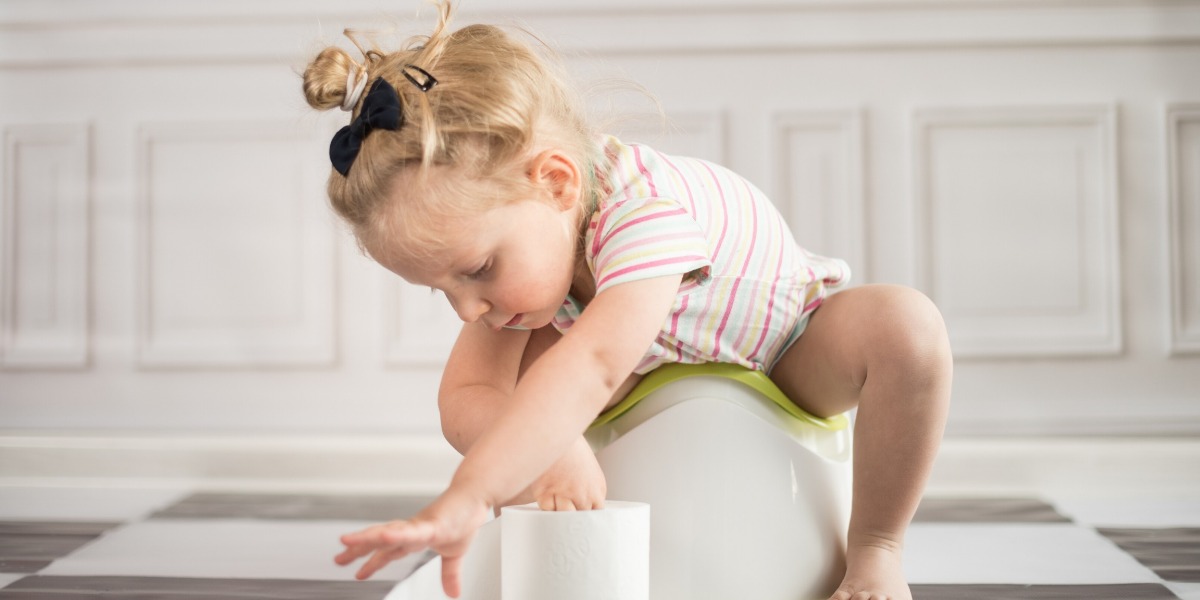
578, 263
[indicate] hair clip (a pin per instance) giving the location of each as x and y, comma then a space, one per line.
424, 86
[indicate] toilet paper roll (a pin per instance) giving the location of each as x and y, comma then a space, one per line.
577, 555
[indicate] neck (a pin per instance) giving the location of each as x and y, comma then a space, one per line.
583, 286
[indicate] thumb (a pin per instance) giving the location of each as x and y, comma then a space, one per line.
451, 567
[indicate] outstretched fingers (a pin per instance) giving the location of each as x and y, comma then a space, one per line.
388, 541
378, 561
360, 544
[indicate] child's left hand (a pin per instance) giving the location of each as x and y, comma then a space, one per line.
446, 526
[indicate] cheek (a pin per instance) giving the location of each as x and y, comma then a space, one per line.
531, 284
510, 286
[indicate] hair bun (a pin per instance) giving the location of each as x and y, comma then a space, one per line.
325, 78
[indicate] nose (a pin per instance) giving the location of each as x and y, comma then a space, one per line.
469, 307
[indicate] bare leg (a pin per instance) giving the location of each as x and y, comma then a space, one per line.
883, 349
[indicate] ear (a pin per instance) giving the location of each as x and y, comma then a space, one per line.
559, 176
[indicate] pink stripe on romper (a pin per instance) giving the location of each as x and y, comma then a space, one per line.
637, 156
762, 336
686, 186
643, 219
696, 334
737, 283
642, 267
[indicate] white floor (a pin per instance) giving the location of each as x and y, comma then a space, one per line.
1011, 518
140, 544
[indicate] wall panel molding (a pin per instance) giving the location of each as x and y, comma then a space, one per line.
820, 159
1183, 168
44, 243
419, 325
412, 463
695, 133
122, 31
424, 464
1016, 232
31, 13
235, 255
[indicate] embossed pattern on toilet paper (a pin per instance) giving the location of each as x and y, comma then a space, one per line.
569, 553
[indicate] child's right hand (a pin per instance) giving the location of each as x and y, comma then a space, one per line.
575, 482
446, 526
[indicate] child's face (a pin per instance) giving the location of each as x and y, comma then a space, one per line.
512, 265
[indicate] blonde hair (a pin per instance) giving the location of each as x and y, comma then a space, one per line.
464, 143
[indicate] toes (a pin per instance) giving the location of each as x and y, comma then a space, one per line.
843, 594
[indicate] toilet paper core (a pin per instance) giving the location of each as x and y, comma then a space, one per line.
581, 555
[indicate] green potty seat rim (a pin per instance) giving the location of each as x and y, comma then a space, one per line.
755, 380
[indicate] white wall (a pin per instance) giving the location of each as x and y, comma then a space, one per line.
168, 265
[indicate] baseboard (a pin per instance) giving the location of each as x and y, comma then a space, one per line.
424, 464
420, 464
1068, 464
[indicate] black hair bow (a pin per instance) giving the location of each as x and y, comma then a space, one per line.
380, 110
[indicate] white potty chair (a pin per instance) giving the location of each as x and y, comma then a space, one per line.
749, 494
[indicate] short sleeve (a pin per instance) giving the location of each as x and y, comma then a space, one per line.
644, 238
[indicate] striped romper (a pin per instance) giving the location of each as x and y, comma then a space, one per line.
750, 288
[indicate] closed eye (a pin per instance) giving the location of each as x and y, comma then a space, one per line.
481, 271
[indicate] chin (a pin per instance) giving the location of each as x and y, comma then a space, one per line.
535, 323
538, 321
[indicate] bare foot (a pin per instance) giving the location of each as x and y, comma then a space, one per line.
873, 573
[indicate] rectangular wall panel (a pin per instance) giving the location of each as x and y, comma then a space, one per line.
697, 134
236, 247
820, 160
1183, 162
1016, 230
44, 240
420, 326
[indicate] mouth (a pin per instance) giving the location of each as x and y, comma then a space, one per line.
515, 320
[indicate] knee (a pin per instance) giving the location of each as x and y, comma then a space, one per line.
907, 331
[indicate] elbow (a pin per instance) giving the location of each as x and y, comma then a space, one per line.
451, 425
610, 376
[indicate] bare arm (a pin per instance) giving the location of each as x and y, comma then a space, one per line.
479, 378
551, 405
469, 407
565, 389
